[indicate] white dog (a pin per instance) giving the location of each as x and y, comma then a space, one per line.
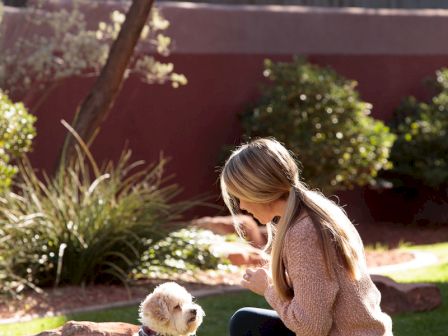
169, 311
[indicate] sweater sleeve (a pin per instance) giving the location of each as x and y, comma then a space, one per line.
309, 312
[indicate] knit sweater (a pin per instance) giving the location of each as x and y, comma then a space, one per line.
322, 306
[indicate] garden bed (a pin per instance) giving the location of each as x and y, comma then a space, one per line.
72, 298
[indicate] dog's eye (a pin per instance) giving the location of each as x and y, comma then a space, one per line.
177, 307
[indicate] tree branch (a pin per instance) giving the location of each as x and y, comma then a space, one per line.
96, 106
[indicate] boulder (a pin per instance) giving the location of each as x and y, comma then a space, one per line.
406, 297
74, 328
224, 225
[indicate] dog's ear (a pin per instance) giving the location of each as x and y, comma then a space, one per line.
158, 308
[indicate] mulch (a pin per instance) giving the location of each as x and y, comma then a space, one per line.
71, 297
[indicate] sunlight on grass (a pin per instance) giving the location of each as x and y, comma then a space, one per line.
436, 273
126, 314
32, 327
439, 249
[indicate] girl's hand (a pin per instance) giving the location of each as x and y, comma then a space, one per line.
256, 280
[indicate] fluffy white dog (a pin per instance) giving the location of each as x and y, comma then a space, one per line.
169, 311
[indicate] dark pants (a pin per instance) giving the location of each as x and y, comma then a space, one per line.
257, 322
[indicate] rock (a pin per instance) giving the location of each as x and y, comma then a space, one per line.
74, 328
224, 225
401, 297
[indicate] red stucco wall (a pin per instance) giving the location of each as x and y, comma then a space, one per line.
221, 51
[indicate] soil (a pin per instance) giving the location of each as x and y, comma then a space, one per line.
69, 298
390, 257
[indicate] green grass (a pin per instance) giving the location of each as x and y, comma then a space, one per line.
219, 308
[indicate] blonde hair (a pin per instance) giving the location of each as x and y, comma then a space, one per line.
262, 171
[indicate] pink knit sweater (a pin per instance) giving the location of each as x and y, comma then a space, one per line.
322, 306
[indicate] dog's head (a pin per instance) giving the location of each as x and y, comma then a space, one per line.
170, 310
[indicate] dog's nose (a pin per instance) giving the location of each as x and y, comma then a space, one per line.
193, 311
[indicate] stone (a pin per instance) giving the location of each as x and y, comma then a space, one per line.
75, 328
224, 225
399, 298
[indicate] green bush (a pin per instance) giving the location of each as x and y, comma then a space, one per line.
16, 135
187, 249
420, 151
318, 115
87, 224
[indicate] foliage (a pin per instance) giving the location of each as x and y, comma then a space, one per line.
87, 224
420, 150
318, 115
16, 134
185, 249
70, 48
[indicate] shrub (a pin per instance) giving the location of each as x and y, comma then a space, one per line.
318, 115
187, 249
16, 134
87, 224
420, 151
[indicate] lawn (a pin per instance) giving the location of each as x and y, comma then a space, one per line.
219, 308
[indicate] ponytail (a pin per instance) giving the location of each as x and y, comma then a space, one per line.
334, 230
277, 266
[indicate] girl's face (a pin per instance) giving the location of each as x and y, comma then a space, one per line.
263, 212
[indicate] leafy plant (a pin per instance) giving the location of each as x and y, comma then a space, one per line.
318, 115
419, 152
70, 48
16, 134
88, 224
182, 250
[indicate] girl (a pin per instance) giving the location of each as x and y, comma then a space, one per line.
318, 283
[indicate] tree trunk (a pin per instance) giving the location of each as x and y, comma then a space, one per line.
97, 104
